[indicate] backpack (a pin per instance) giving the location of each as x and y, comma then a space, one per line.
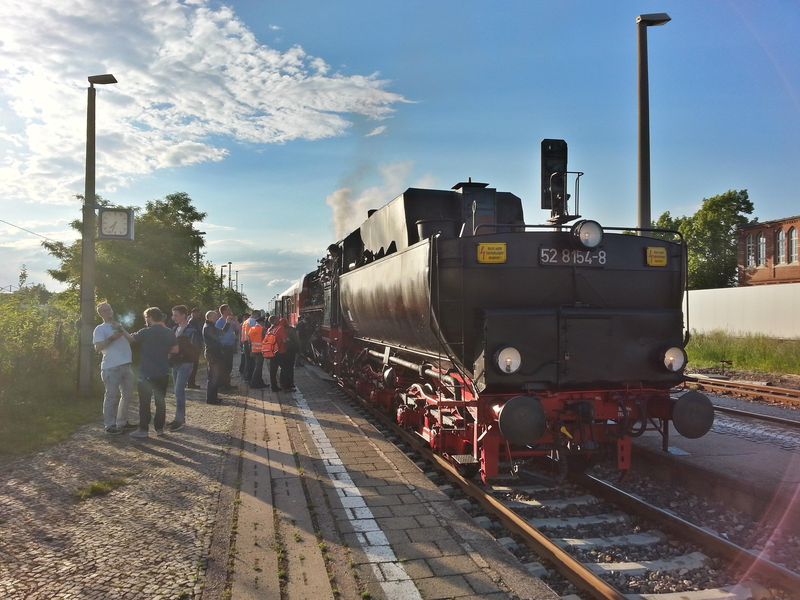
270, 345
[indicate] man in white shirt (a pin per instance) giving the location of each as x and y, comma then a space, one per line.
115, 369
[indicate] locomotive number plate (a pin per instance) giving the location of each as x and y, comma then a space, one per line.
572, 257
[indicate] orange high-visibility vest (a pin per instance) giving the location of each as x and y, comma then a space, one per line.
255, 334
270, 346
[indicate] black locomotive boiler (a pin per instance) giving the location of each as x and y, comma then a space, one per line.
499, 341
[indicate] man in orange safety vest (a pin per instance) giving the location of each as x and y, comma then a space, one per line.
255, 335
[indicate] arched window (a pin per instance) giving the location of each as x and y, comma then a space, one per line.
793, 245
780, 247
762, 250
751, 252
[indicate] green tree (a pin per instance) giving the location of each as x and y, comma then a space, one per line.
711, 236
161, 267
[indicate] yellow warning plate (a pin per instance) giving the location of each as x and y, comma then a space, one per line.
656, 257
492, 254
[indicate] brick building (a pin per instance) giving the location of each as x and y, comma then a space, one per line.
768, 252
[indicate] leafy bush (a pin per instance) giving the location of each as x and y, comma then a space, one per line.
38, 369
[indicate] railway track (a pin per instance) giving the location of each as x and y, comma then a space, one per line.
597, 519
788, 396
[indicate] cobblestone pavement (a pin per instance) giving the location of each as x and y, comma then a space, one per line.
146, 539
327, 507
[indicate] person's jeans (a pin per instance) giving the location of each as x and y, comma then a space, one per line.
214, 375
257, 365
274, 365
116, 379
287, 370
193, 374
152, 388
180, 376
227, 365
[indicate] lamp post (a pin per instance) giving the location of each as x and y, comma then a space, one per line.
230, 281
642, 23
86, 350
236, 281
222, 277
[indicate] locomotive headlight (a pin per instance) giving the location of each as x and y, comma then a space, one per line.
674, 359
588, 233
508, 360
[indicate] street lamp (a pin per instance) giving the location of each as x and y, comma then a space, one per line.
229, 275
642, 23
86, 350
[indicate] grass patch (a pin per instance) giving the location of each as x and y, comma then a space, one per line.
746, 353
36, 421
99, 488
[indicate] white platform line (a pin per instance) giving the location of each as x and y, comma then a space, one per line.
389, 572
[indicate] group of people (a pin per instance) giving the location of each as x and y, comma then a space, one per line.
270, 338
163, 350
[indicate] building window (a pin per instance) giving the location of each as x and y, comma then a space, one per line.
793, 245
780, 247
762, 250
751, 252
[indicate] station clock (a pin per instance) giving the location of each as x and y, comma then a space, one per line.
115, 224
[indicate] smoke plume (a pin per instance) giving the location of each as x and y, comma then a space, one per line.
350, 206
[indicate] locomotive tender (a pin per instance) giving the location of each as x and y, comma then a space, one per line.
498, 341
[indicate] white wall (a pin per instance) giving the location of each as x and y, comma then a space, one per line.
772, 310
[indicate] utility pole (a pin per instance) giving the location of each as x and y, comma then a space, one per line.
86, 348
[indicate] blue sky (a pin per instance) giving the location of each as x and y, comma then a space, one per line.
269, 114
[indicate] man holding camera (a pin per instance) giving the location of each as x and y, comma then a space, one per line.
115, 369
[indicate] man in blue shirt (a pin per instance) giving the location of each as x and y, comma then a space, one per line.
228, 340
156, 342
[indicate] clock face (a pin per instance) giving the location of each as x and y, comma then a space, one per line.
114, 222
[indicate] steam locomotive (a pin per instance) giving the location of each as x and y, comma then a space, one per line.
498, 341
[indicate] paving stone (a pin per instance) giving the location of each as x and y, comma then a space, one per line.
152, 529
451, 565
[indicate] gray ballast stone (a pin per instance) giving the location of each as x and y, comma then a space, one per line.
507, 543
563, 522
637, 539
740, 591
536, 569
464, 503
691, 561
559, 503
483, 522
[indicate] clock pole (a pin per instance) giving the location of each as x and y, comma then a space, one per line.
86, 348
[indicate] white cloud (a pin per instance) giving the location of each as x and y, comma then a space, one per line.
191, 79
377, 131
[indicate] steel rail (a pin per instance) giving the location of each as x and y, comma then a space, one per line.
575, 571
747, 389
754, 415
740, 558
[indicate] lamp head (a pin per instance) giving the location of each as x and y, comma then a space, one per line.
102, 79
653, 19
